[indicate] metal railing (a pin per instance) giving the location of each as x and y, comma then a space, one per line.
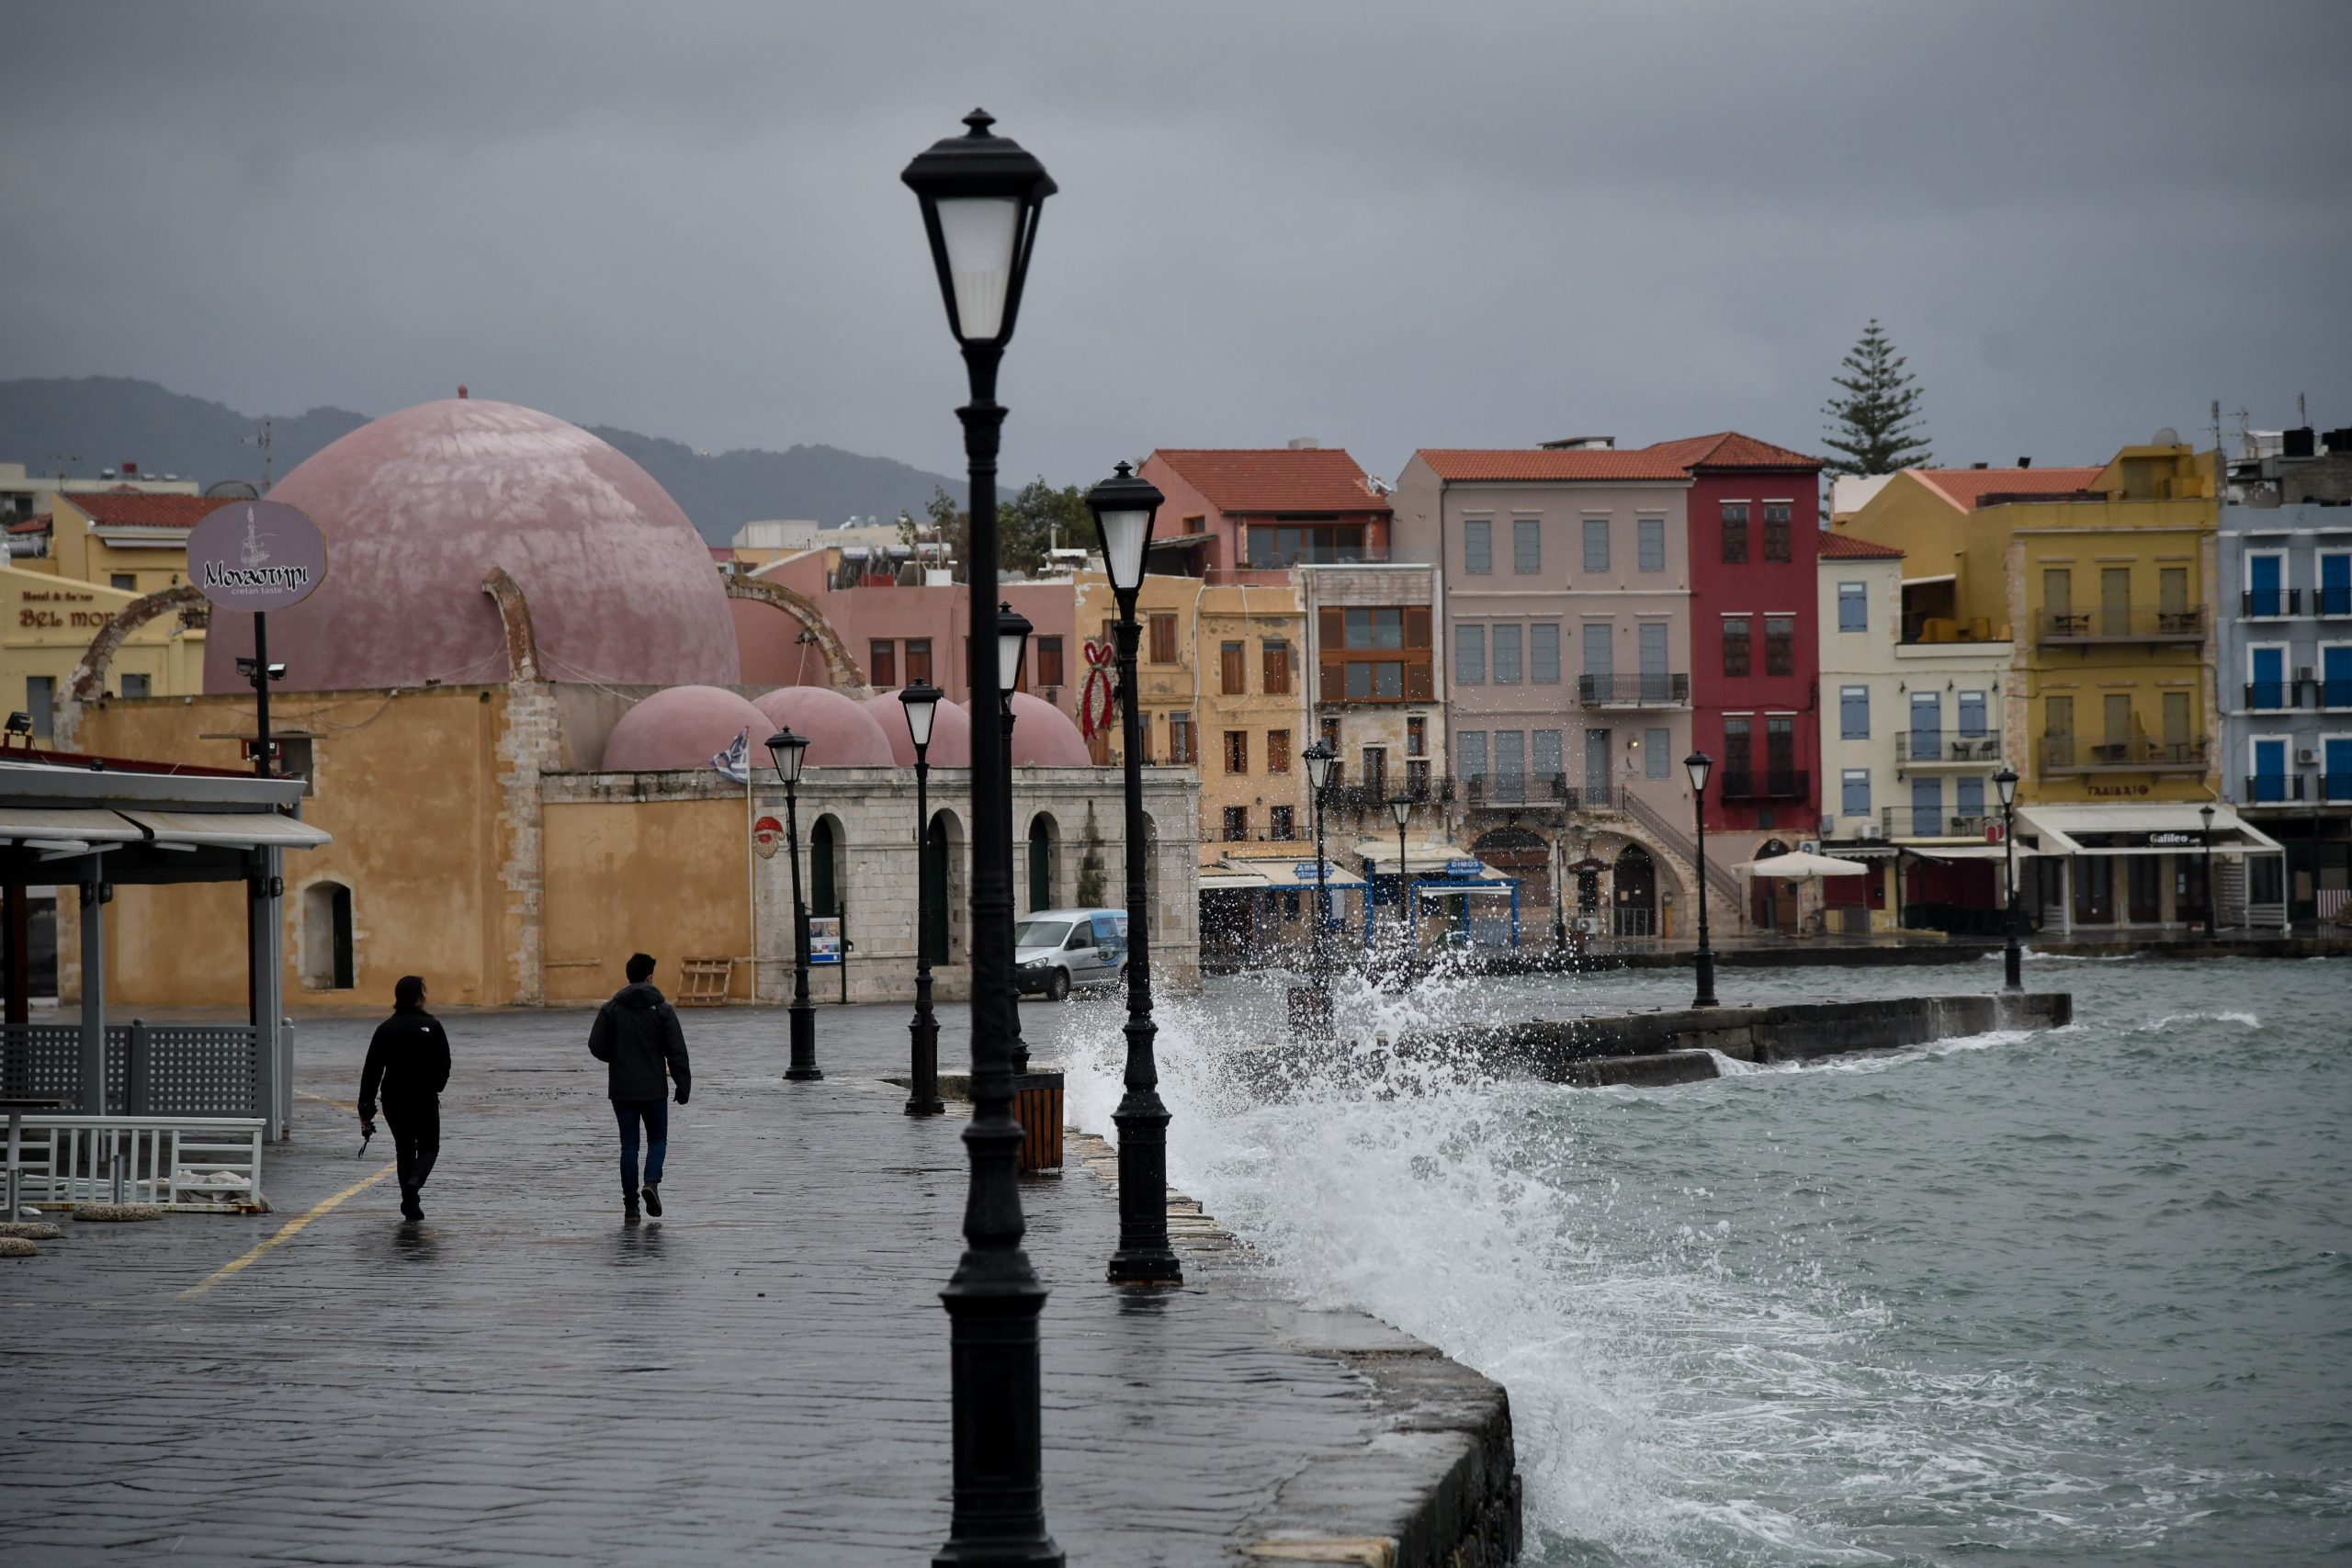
1934, 746
2064, 754
2269, 695
185, 1163
1933, 822
1678, 838
2263, 604
2124, 624
2335, 787
151, 1069
2271, 789
2333, 599
1772, 784
1656, 689
2335, 694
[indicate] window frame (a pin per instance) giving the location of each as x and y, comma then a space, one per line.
1780, 533
1783, 642
919, 648
1596, 531
1846, 695
1526, 546
1860, 599
882, 660
1470, 653
1649, 544
1504, 635
1237, 753
1734, 521
1477, 546
1847, 779
1739, 632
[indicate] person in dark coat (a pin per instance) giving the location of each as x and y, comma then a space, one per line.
407, 1064
637, 1036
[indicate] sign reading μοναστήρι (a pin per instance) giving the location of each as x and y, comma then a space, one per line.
256, 556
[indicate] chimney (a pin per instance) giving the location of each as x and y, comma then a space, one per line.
1979, 465
461, 389
1303, 444
2025, 462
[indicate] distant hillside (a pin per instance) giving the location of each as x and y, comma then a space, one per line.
106, 421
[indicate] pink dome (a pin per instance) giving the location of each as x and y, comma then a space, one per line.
951, 732
418, 506
840, 733
1044, 736
684, 726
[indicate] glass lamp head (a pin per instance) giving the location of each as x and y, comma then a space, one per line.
1698, 765
1319, 759
1401, 807
785, 750
1012, 629
2005, 781
921, 703
981, 193
1124, 508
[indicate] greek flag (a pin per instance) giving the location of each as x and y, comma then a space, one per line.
736, 760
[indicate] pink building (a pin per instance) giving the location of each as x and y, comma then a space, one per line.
1232, 511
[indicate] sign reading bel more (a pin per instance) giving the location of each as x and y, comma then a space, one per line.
256, 556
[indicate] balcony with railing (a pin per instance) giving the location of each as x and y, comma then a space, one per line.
2335, 787
2120, 622
2141, 754
2336, 693
2270, 603
1515, 791
1772, 784
1927, 822
2274, 789
2269, 696
1928, 749
2332, 600
1648, 689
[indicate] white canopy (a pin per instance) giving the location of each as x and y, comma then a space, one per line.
1802, 867
2176, 825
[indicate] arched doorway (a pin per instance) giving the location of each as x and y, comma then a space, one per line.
1634, 886
942, 888
824, 868
327, 962
1044, 860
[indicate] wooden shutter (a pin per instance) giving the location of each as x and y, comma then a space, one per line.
1418, 688
1416, 625
1233, 675
1333, 622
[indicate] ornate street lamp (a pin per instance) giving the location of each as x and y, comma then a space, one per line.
786, 749
1124, 508
1401, 807
2205, 813
1320, 759
2012, 955
1012, 629
982, 195
1698, 765
921, 704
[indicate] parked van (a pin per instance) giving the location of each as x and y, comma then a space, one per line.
1056, 949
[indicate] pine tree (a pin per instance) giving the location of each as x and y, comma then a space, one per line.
1876, 431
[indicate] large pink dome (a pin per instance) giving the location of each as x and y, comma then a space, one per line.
951, 732
418, 506
840, 733
684, 726
1044, 736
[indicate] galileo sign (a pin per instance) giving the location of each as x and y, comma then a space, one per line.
256, 555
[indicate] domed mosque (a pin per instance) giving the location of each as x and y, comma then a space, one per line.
418, 507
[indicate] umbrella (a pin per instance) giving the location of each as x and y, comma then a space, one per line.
1802, 867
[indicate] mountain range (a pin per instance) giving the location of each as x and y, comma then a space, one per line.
85, 424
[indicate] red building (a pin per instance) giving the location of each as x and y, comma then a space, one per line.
1755, 519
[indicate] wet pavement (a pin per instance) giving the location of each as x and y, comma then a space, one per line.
762, 1375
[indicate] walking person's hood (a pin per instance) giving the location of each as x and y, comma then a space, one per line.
637, 1036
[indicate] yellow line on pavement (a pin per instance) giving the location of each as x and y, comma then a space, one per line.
285, 1233
322, 1099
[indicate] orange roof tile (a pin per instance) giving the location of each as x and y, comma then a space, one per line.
1848, 546
139, 510
1277, 479
1730, 449
1967, 488
1663, 460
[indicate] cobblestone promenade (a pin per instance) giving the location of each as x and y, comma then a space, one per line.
759, 1377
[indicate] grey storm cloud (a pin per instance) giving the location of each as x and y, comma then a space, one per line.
1382, 225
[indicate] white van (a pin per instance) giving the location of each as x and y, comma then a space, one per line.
1056, 949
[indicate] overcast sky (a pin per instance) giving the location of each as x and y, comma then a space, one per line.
1386, 226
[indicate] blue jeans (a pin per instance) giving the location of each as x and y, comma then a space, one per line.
656, 1116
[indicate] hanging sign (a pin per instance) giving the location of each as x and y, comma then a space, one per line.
824, 939
1465, 867
256, 556
1309, 871
767, 837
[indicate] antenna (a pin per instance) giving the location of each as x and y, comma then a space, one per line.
2302, 415
262, 441
61, 459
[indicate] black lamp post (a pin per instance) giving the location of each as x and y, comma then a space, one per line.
1012, 629
786, 749
1401, 807
2012, 955
2205, 814
921, 704
982, 195
1560, 891
1124, 508
1698, 765
1319, 758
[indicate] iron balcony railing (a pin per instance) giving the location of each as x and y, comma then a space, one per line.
1772, 784
1504, 792
1933, 822
1934, 746
2336, 693
2123, 624
2064, 754
2265, 604
2274, 693
2335, 787
1643, 690
2334, 599
2265, 789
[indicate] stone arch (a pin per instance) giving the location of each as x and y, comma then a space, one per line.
847, 678
946, 896
329, 957
1633, 891
1041, 866
828, 866
88, 681
514, 617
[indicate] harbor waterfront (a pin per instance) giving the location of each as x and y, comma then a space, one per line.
2074, 1297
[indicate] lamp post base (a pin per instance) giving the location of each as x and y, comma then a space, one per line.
2013, 966
922, 1083
1706, 997
1144, 1256
804, 1044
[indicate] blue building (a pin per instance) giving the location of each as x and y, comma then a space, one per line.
2284, 667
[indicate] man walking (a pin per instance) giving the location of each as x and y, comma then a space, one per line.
408, 1063
636, 1035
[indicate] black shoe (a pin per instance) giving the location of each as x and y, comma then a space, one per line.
628, 1215
651, 1193
410, 1210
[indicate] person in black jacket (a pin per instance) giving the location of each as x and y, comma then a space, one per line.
408, 1062
636, 1035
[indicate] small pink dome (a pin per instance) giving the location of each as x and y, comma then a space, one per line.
1044, 736
951, 732
840, 733
684, 726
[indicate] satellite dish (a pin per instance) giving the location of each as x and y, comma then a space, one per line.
2167, 436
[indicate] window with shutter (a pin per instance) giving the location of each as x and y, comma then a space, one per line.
1232, 674
1163, 638
1277, 666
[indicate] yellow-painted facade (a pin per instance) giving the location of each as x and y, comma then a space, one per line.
46, 625
78, 549
2110, 604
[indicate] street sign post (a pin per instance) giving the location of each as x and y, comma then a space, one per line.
257, 556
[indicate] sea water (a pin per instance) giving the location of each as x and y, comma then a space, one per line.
2074, 1297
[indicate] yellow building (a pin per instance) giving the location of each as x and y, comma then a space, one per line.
2104, 580
125, 539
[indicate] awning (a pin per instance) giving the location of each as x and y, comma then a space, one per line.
1230, 881
1283, 876
46, 826
1968, 851
1428, 856
230, 829
1925, 581
2177, 824
1799, 867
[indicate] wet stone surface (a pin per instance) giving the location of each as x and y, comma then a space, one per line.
762, 1375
